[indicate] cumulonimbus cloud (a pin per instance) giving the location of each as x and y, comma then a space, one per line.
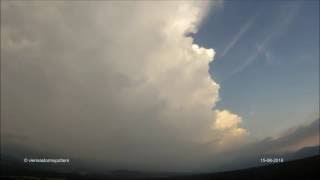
113, 81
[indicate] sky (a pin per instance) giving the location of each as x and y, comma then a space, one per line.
267, 61
112, 85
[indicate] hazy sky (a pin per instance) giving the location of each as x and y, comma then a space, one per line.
153, 85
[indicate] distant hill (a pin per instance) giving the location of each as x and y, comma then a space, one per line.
304, 152
306, 168
298, 169
253, 160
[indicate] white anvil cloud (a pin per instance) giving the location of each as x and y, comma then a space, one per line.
114, 81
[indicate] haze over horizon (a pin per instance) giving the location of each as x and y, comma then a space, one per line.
159, 86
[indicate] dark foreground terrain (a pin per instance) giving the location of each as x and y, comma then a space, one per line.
306, 168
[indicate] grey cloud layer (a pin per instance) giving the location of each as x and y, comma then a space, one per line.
292, 140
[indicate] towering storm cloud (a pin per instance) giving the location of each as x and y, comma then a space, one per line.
122, 83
